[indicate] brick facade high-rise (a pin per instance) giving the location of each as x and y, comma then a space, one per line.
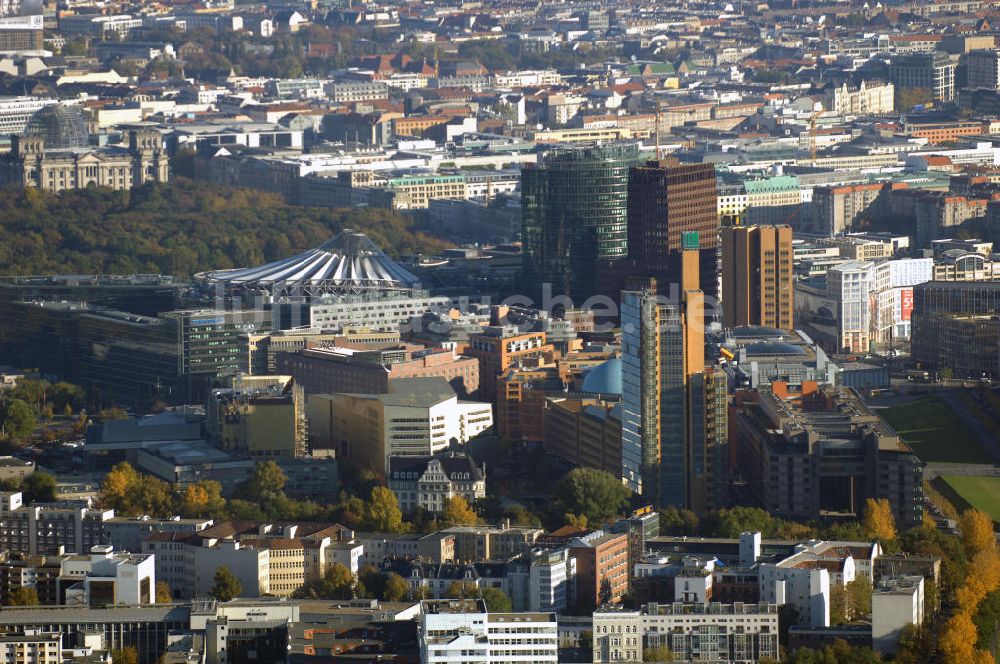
757, 276
667, 199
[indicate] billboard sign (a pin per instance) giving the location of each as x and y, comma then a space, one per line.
21, 15
905, 304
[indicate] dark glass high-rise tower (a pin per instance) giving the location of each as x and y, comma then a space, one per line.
573, 216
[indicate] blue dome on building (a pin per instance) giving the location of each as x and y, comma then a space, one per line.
604, 378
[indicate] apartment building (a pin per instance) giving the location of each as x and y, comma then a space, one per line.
50, 528
869, 98
840, 208
348, 92
693, 632
35, 646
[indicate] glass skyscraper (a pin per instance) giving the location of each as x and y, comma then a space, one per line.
573, 216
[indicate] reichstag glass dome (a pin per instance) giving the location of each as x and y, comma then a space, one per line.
60, 126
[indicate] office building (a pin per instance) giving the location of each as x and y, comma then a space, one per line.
757, 276
263, 349
497, 347
693, 632
759, 355
983, 69
874, 300
933, 72
417, 417
456, 631
574, 207
109, 578
22, 28
602, 574
673, 423
338, 369
585, 431
551, 580
821, 450
16, 111
955, 327
258, 416
667, 203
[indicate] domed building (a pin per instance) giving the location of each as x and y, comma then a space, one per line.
604, 379
59, 126
54, 154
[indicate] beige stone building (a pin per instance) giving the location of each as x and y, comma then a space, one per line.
31, 163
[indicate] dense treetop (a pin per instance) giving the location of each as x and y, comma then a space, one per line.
178, 228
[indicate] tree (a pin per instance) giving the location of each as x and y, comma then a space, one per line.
977, 531
838, 605
879, 522
337, 583
163, 594
382, 511
126, 655
496, 601
678, 522
63, 394
657, 654
17, 419
859, 598
266, 480
116, 485
227, 586
202, 499
958, 639
39, 488
396, 588
462, 590
732, 522
907, 98
24, 596
457, 512
596, 494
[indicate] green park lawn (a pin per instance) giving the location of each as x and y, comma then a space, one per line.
935, 432
981, 492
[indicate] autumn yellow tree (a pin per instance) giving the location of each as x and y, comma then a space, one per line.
982, 579
117, 483
958, 640
163, 594
879, 522
382, 511
202, 499
457, 512
977, 531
